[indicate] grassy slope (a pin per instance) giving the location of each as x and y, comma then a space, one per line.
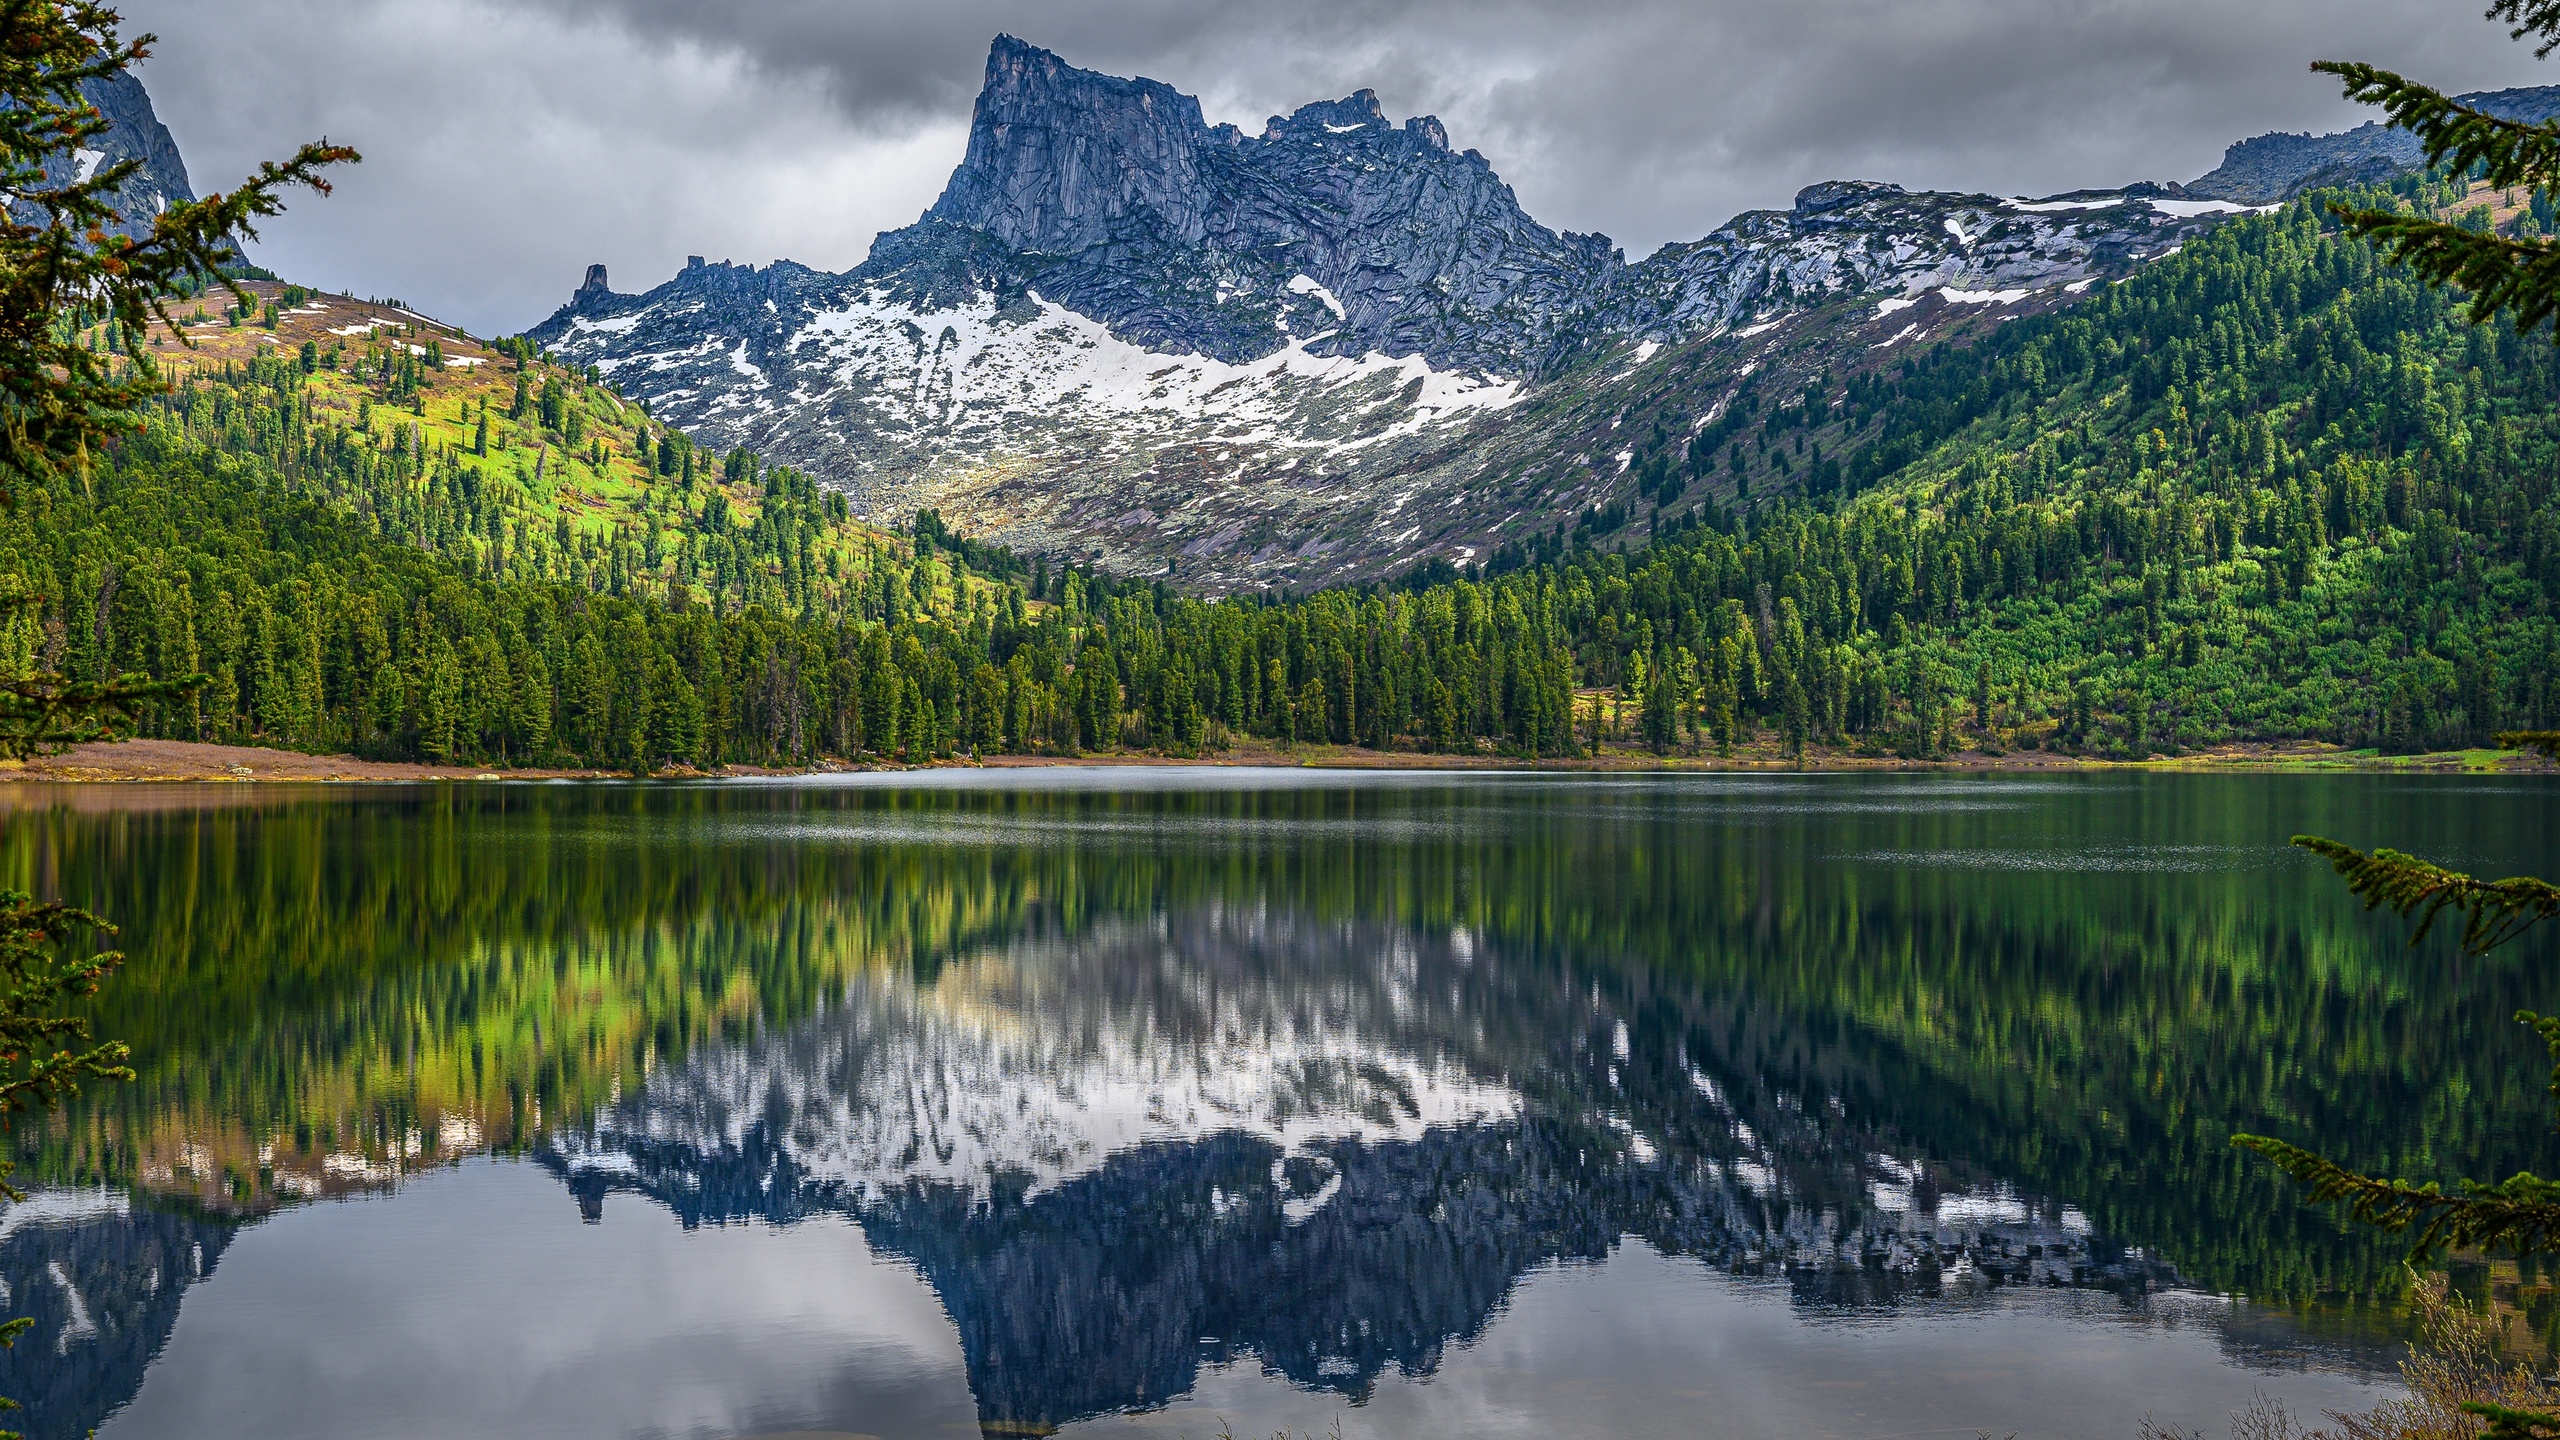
602, 487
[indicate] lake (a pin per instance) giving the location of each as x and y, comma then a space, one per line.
1124, 1102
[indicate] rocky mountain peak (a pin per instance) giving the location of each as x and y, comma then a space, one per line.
1060, 159
1841, 194
1336, 228
1357, 111
1330, 350
595, 296
2266, 169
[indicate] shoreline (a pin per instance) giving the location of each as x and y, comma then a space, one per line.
190, 762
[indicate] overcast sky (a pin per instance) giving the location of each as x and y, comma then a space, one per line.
508, 145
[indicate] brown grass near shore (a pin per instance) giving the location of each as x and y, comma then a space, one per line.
181, 760
187, 760
2462, 1357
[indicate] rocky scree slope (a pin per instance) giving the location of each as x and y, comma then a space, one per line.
1330, 351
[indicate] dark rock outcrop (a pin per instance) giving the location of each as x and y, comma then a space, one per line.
135, 133
2271, 168
595, 297
1134, 211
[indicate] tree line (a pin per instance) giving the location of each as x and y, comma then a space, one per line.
2269, 488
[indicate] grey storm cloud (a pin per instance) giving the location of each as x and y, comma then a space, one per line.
507, 145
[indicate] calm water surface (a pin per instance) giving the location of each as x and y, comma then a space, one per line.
1112, 1103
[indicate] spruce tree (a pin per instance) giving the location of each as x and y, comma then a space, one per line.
62, 260
2517, 279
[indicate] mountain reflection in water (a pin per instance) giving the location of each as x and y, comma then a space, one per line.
1148, 1084
1331, 1147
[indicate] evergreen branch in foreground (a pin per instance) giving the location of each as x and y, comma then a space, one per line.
2494, 911
2510, 1424
47, 714
2519, 279
39, 1068
2520, 1213
42, 713
2516, 278
62, 260
39, 1064
2456, 136
2538, 18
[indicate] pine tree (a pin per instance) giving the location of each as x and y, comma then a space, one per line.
2519, 280
2516, 278
1661, 712
60, 260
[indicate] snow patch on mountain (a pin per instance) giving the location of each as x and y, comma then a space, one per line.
2185, 209
1258, 360
1302, 285
966, 369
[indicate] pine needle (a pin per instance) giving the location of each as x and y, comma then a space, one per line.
2507, 1424
2538, 18
2516, 278
2456, 136
2520, 1213
2494, 911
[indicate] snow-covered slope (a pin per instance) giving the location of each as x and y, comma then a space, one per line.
975, 1087
1331, 350
888, 1094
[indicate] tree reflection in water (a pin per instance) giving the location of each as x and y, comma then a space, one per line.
1147, 1079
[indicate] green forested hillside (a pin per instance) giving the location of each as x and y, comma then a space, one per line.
2267, 489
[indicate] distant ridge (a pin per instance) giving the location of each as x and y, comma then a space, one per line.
2278, 166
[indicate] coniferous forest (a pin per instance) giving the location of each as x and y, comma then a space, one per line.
2270, 488
1383, 1093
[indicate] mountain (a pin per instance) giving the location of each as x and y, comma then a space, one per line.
1329, 351
134, 133
2276, 167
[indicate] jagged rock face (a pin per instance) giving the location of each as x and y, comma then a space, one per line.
1060, 159
1849, 238
135, 133
2270, 168
1179, 235
1326, 352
